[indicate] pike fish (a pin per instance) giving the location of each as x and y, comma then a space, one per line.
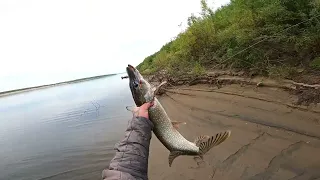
165, 129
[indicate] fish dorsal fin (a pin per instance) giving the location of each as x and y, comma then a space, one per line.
176, 124
173, 155
213, 141
200, 139
155, 90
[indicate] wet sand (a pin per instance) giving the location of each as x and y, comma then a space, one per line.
269, 140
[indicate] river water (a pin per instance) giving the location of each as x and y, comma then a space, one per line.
63, 132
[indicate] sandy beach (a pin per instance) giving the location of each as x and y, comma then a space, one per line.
269, 140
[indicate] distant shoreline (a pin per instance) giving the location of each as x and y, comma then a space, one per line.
22, 90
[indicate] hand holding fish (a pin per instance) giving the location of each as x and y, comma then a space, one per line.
142, 111
164, 128
132, 155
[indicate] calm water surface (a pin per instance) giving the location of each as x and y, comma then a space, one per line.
65, 132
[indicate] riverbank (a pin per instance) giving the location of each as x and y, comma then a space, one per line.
306, 91
23, 90
269, 140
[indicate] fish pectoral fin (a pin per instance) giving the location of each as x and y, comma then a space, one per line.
205, 146
200, 139
176, 124
173, 155
133, 109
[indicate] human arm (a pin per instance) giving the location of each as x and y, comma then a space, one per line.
131, 158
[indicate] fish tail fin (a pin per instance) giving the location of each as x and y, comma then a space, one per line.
173, 155
205, 143
200, 139
205, 146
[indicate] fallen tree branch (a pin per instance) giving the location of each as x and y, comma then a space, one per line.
316, 86
233, 78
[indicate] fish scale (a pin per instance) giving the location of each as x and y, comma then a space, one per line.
165, 129
165, 132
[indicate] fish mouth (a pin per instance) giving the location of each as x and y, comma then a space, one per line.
132, 73
134, 77
134, 82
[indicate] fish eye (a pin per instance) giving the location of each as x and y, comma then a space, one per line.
135, 84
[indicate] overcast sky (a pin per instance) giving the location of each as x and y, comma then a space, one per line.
46, 41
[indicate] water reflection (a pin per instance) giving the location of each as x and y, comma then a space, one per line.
63, 132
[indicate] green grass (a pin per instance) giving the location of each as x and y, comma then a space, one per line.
315, 63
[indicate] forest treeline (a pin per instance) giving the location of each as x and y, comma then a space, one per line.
269, 37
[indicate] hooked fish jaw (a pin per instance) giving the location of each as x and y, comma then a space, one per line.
140, 88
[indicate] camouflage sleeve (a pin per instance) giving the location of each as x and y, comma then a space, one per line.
131, 158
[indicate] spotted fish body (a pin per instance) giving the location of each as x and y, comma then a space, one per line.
167, 133
164, 128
